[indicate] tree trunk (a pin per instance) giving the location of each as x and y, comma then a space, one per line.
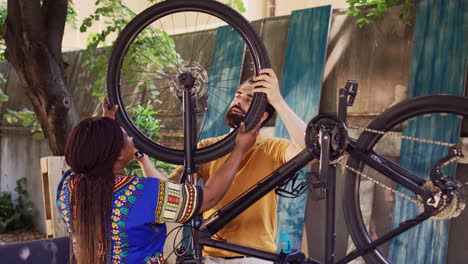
33, 34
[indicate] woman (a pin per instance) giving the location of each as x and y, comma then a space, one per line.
120, 219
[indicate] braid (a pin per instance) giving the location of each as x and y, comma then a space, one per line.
91, 150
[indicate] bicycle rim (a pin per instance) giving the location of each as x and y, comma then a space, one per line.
368, 221
161, 43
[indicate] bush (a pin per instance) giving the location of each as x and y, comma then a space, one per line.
143, 118
17, 214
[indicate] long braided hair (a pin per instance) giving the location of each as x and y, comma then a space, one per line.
91, 150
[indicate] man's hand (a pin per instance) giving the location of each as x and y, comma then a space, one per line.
108, 112
267, 83
245, 140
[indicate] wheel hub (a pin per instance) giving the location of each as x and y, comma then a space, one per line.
190, 75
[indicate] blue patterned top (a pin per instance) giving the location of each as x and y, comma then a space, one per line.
140, 208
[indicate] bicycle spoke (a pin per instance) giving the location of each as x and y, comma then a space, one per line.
193, 40
227, 103
162, 72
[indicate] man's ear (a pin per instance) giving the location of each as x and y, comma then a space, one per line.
264, 116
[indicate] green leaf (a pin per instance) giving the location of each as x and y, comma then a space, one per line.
239, 5
38, 136
72, 16
12, 112
27, 117
2, 78
10, 119
3, 97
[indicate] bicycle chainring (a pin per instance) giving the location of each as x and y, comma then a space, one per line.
337, 130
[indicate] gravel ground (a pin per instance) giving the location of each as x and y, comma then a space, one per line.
20, 235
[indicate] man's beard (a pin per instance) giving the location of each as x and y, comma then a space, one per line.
234, 120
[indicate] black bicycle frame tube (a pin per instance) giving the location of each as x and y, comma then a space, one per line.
188, 131
243, 250
330, 239
362, 250
380, 164
342, 104
225, 215
189, 166
394, 166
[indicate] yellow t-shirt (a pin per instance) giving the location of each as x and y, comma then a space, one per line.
255, 227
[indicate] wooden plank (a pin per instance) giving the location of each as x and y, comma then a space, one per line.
46, 198
301, 88
438, 66
52, 169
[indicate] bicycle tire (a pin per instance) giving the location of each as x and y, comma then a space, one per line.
158, 11
392, 117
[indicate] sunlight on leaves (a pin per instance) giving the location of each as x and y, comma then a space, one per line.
369, 11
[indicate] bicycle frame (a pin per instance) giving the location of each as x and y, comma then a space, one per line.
204, 230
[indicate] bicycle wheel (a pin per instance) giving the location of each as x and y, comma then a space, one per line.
165, 41
368, 221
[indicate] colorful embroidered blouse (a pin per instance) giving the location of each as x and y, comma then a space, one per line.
141, 207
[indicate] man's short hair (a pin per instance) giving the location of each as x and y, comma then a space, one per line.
269, 108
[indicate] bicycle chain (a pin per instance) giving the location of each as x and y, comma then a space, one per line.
379, 183
405, 137
402, 136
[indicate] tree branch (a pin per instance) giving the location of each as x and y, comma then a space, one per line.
12, 28
39, 65
55, 14
33, 21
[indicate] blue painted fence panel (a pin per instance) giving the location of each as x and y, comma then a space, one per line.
438, 65
224, 78
301, 87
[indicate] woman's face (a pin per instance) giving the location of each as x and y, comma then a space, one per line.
128, 147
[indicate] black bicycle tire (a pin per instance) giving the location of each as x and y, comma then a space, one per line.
223, 12
366, 141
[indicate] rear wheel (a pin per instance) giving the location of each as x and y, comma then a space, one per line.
174, 38
415, 119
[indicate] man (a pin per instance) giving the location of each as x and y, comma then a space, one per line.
255, 227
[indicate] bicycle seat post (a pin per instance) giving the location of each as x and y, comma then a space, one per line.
186, 82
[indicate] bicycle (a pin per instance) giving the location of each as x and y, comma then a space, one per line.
182, 80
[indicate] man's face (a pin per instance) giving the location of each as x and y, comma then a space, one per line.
239, 106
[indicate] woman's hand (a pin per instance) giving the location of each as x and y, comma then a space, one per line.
147, 166
108, 112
